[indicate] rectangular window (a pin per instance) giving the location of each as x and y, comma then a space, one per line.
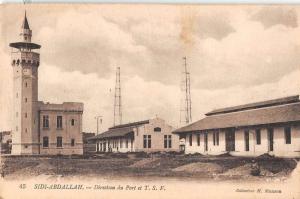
258, 136
165, 141
59, 141
217, 138
191, 139
72, 142
45, 121
126, 145
25, 115
214, 138
45, 142
287, 135
25, 99
145, 141
198, 139
246, 136
149, 141
59, 122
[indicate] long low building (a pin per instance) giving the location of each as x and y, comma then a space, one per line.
271, 127
148, 136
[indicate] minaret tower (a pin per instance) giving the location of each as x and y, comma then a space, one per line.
25, 60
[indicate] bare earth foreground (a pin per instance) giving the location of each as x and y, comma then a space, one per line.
145, 166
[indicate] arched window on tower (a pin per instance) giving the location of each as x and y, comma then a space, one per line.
72, 122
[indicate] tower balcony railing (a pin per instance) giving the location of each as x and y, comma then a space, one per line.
25, 57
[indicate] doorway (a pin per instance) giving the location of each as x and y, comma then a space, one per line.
230, 140
205, 142
104, 146
246, 140
271, 139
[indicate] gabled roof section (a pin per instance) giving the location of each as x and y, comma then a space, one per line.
268, 103
133, 124
120, 130
253, 117
111, 133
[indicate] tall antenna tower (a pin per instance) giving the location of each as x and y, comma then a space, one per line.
186, 102
117, 102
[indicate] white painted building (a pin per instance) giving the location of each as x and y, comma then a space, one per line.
148, 136
271, 127
39, 128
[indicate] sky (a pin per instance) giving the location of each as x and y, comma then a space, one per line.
235, 55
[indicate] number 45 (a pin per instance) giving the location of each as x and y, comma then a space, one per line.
22, 186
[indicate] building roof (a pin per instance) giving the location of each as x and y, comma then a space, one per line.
279, 101
289, 112
64, 107
25, 24
119, 130
25, 45
131, 124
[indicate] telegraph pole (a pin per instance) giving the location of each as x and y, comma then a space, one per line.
97, 118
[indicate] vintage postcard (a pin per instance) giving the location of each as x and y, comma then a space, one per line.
149, 101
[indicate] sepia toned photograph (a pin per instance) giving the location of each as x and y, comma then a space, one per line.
149, 101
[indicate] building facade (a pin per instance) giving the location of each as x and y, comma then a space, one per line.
144, 136
29, 135
271, 127
61, 128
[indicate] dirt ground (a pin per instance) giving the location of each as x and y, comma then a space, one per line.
140, 165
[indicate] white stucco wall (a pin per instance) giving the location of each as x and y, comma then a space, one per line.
211, 148
157, 138
118, 148
281, 149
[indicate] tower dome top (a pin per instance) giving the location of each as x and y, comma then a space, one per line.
25, 38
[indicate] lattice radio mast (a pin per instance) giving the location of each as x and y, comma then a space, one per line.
186, 102
117, 102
